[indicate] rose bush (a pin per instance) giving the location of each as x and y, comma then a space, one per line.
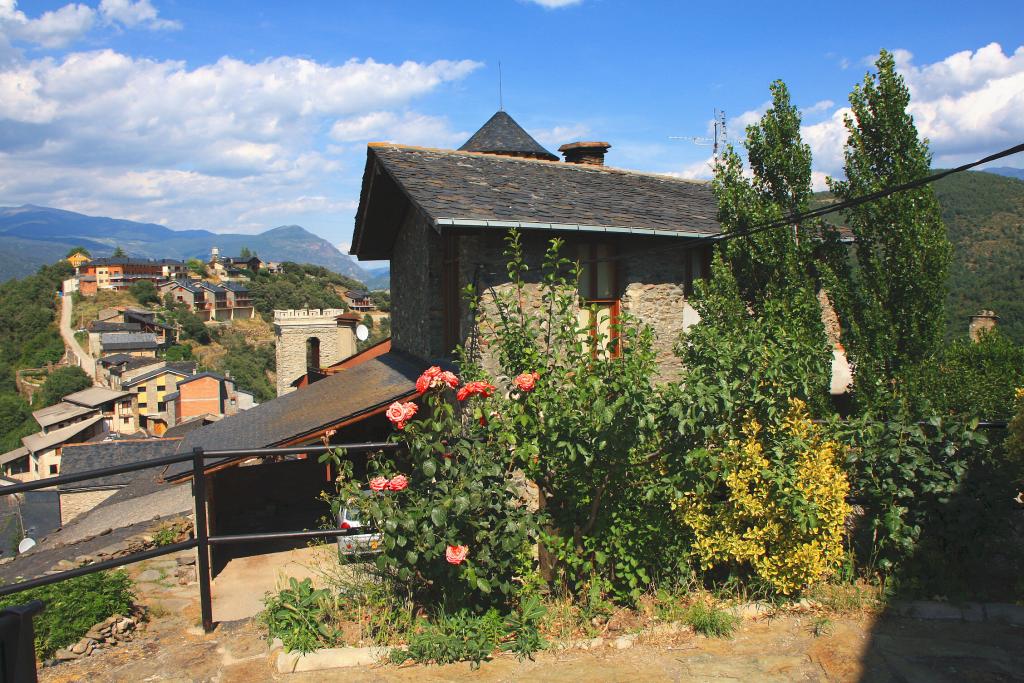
454, 534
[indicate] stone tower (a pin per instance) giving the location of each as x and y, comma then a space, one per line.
311, 338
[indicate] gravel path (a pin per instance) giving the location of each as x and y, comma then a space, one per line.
85, 361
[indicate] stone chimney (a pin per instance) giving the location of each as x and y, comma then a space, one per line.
589, 153
984, 321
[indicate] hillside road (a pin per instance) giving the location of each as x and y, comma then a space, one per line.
84, 360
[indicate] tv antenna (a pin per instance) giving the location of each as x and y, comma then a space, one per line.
717, 142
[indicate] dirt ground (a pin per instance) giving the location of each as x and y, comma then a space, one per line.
847, 648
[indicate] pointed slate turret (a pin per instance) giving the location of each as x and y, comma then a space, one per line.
502, 135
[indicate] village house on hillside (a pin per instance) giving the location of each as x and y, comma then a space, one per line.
120, 273
440, 217
210, 301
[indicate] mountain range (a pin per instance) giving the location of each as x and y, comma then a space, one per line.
33, 235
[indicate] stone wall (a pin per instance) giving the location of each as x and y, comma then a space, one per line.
74, 504
651, 284
293, 328
417, 307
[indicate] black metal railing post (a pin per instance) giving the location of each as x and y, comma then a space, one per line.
202, 538
17, 643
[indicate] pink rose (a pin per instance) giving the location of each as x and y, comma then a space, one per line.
378, 484
434, 377
448, 378
526, 381
398, 483
456, 554
400, 413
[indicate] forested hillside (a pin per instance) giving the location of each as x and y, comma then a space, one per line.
28, 338
985, 217
984, 214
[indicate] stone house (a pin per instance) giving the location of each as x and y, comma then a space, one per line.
210, 301
359, 301
152, 386
441, 217
143, 344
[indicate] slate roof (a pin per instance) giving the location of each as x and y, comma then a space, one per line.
466, 189
235, 286
134, 363
77, 458
115, 359
122, 261
104, 326
219, 378
19, 452
94, 396
355, 391
187, 286
59, 412
39, 441
182, 368
116, 341
502, 135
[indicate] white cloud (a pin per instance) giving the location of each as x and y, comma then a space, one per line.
968, 105
555, 4
52, 29
406, 127
223, 145
555, 137
131, 14
818, 107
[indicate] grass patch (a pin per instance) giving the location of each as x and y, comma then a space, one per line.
845, 597
711, 620
74, 606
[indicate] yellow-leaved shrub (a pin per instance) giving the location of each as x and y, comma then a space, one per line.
780, 508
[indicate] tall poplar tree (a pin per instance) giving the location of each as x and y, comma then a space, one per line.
891, 301
781, 266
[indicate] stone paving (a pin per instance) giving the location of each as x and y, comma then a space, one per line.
888, 649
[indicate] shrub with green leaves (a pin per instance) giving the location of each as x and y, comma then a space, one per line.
73, 607
457, 637
451, 521
297, 615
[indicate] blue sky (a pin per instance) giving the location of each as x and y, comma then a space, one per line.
236, 116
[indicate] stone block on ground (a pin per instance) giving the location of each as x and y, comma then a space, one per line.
330, 658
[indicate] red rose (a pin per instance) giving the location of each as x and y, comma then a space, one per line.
398, 483
456, 554
434, 377
378, 484
484, 389
526, 381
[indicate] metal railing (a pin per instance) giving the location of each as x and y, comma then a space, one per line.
201, 539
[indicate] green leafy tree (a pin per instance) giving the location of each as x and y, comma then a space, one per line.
144, 292
178, 352
778, 267
119, 252
192, 327
196, 266
64, 381
245, 253
892, 300
15, 420
381, 299
78, 250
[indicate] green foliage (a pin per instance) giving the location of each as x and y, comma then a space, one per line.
523, 627
585, 433
778, 269
710, 620
192, 327
458, 494
906, 477
453, 638
28, 330
368, 321
975, 379
119, 253
165, 536
892, 300
245, 253
295, 615
16, 421
984, 214
196, 266
247, 363
178, 352
299, 286
381, 299
74, 606
64, 381
144, 292
78, 250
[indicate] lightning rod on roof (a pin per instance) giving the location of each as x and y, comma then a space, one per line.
501, 102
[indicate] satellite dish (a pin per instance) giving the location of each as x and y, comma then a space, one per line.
362, 333
26, 545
